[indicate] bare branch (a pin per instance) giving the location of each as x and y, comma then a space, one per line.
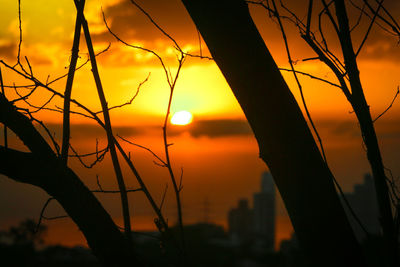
163, 196
309, 13
4, 126
391, 104
42, 213
133, 98
137, 47
157, 26
98, 159
312, 77
296, 78
108, 128
116, 191
70, 80
369, 28
20, 34
163, 164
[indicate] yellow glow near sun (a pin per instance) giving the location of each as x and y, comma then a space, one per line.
182, 118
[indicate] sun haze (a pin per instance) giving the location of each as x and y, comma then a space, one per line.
182, 118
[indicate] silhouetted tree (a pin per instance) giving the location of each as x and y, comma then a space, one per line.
46, 165
26, 232
285, 141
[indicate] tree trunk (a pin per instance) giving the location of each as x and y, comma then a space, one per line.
285, 141
42, 168
361, 109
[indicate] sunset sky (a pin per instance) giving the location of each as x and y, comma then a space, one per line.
217, 151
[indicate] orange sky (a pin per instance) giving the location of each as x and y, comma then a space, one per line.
219, 155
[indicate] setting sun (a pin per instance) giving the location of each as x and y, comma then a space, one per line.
182, 118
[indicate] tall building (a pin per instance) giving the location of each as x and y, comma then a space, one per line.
255, 225
264, 211
240, 222
364, 204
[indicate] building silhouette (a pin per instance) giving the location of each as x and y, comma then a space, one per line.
255, 225
364, 204
240, 222
264, 211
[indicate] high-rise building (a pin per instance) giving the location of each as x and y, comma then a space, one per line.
240, 222
364, 204
264, 211
258, 224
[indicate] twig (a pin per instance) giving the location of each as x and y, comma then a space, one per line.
116, 191
369, 28
20, 34
309, 14
358, 19
4, 126
133, 98
70, 80
98, 159
42, 213
163, 196
312, 77
136, 47
391, 104
157, 26
55, 144
297, 80
145, 148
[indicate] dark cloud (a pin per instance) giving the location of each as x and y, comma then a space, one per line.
129, 23
91, 131
120, 57
347, 129
132, 26
214, 128
8, 50
343, 128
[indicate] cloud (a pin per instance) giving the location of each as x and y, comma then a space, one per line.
214, 128
7, 50
132, 26
130, 23
90, 131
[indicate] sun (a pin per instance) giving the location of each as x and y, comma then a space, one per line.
182, 118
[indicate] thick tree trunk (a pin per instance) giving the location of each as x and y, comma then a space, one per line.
42, 168
285, 141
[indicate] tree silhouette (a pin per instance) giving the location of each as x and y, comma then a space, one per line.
47, 167
285, 141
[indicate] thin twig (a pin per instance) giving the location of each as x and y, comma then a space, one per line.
133, 98
98, 159
42, 213
312, 77
20, 34
163, 196
391, 104
369, 28
4, 126
157, 26
145, 148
